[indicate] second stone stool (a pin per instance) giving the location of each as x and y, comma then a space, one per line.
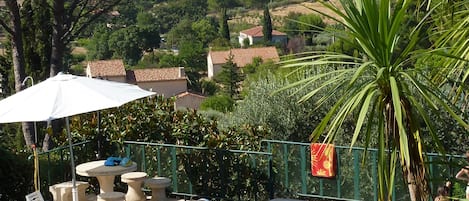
158, 187
134, 181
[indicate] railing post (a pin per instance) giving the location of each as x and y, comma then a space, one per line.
144, 161
188, 152
174, 169
356, 180
158, 158
62, 165
374, 173
430, 161
271, 179
285, 161
127, 151
303, 168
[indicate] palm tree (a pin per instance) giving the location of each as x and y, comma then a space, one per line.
384, 88
453, 47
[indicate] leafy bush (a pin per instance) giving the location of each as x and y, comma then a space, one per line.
156, 120
280, 113
220, 103
16, 174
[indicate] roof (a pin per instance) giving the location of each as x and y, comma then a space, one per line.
186, 94
257, 32
242, 57
155, 74
107, 68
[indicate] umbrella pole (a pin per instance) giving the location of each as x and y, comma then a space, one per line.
72, 161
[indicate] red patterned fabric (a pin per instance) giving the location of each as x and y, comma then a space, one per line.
323, 160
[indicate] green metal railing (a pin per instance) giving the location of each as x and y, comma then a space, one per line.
282, 170
203, 172
354, 180
54, 164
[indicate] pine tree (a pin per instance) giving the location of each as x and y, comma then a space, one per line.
267, 25
229, 78
224, 29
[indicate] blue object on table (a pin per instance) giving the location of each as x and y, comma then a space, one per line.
112, 161
126, 162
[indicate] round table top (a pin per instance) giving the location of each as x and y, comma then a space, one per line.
156, 181
97, 168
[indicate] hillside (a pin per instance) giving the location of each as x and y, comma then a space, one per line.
279, 13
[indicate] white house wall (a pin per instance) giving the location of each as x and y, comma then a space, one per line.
241, 38
209, 66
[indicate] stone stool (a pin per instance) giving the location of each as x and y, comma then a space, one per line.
63, 191
158, 186
111, 196
134, 181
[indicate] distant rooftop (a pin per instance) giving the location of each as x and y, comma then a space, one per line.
155, 74
242, 57
257, 32
107, 68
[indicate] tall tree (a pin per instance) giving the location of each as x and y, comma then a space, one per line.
224, 30
267, 25
205, 30
229, 77
37, 31
386, 90
70, 18
13, 28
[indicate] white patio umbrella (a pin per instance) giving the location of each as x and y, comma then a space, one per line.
66, 95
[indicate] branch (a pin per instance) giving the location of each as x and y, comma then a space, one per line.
76, 27
6, 27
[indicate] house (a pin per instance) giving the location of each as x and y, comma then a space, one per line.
255, 35
242, 57
164, 81
112, 70
188, 100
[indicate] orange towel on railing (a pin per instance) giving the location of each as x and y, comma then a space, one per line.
323, 160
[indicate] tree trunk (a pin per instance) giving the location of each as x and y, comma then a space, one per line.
415, 172
412, 186
18, 60
56, 59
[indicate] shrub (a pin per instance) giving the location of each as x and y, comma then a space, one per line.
16, 174
220, 103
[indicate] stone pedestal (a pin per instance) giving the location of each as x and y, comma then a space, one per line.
158, 186
134, 182
63, 191
111, 196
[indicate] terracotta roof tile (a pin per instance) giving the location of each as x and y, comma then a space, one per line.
243, 57
257, 32
156, 74
107, 68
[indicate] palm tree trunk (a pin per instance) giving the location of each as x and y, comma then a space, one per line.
415, 172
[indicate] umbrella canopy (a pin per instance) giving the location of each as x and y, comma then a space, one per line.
66, 95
